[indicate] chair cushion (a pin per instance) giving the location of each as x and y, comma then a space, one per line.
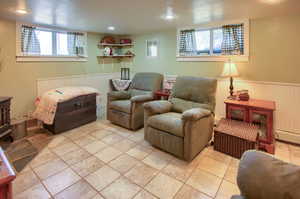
170, 122
200, 90
121, 105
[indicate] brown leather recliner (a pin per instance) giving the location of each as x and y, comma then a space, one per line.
183, 125
125, 108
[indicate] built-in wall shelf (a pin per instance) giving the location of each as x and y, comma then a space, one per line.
114, 45
117, 56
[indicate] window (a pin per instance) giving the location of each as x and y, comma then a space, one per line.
44, 44
152, 48
213, 43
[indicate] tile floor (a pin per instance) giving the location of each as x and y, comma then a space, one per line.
100, 160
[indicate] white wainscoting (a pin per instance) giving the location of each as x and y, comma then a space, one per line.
99, 81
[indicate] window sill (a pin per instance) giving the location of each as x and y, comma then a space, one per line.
216, 58
50, 59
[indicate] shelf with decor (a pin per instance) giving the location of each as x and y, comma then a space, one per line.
115, 45
116, 56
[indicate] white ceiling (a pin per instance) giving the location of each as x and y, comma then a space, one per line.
139, 16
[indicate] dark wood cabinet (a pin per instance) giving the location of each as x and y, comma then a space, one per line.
259, 112
5, 126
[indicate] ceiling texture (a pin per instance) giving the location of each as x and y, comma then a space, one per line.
140, 16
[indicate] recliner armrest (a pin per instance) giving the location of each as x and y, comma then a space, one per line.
141, 98
195, 114
158, 107
119, 95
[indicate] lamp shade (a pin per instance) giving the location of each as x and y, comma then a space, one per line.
230, 70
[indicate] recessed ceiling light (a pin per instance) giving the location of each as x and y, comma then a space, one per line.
169, 17
111, 28
21, 11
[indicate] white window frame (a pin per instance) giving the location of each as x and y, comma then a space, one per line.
157, 41
45, 58
215, 57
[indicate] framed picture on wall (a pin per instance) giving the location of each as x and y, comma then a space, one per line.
152, 48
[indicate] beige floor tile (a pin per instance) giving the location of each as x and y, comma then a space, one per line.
112, 139
141, 174
79, 190
124, 145
25, 169
214, 167
234, 162
204, 182
99, 134
43, 158
58, 140
98, 196
102, 177
65, 148
94, 147
145, 143
76, 133
137, 136
75, 156
95, 126
60, 181
50, 168
35, 192
231, 174
179, 169
85, 140
122, 188
143, 194
124, 133
123, 163
188, 192
163, 186
24, 181
139, 152
158, 159
221, 157
87, 166
108, 154
226, 190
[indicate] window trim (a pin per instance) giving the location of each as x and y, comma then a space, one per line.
214, 57
157, 41
46, 58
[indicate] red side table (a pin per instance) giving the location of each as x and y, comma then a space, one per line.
259, 112
162, 94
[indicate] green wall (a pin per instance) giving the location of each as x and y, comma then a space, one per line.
18, 79
274, 54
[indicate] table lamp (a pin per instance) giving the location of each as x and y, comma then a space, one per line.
230, 70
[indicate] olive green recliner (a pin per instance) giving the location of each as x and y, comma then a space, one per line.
183, 125
261, 176
125, 108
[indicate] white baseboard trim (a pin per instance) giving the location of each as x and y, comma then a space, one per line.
287, 136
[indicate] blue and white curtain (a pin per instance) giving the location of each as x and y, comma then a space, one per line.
233, 39
76, 43
29, 41
187, 43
